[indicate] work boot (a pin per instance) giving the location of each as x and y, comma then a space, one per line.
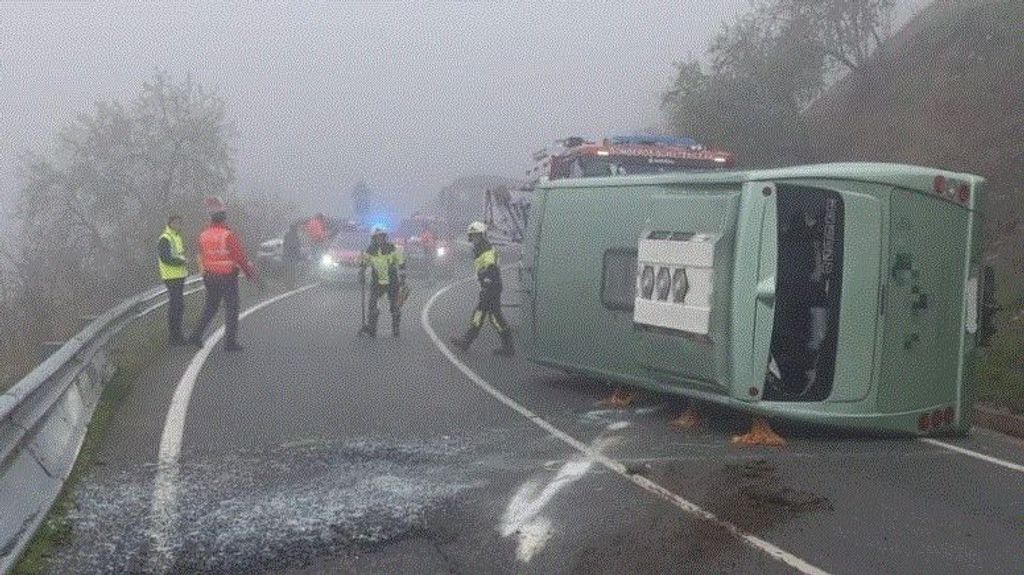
461, 343
395, 327
233, 346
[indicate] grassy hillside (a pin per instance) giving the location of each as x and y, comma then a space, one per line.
946, 91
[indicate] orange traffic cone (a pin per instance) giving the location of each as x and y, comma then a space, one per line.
687, 419
760, 434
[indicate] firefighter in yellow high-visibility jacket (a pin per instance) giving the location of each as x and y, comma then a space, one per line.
488, 308
387, 276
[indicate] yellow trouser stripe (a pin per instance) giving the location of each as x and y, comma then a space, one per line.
497, 325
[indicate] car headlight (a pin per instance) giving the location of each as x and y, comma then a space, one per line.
441, 251
327, 261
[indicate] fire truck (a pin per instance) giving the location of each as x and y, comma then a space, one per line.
506, 209
576, 157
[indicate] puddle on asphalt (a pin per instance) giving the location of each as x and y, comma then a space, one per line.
273, 509
764, 497
753, 496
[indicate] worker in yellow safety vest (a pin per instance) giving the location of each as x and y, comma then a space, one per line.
173, 266
387, 276
488, 273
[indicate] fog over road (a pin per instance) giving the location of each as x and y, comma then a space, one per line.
324, 94
315, 451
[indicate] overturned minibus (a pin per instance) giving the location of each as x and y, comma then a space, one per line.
836, 294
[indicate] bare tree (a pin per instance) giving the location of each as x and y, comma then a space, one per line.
94, 208
88, 215
850, 30
765, 68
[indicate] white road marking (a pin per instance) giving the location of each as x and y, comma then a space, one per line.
523, 514
533, 536
962, 451
165, 487
646, 484
618, 425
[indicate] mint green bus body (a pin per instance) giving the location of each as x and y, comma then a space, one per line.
840, 294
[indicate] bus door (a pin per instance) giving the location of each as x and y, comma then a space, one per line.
817, 293
923, 310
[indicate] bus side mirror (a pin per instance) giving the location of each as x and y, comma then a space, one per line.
989, 308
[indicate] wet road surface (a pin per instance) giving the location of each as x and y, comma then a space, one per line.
316, 451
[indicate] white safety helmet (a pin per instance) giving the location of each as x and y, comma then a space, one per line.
476, 228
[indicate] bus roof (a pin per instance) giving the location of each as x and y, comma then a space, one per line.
916, 178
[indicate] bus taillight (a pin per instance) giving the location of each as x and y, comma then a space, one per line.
936, 419
963, 193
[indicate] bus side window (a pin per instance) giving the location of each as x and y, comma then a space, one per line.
618, 279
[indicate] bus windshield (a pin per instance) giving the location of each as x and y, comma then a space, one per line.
805, 331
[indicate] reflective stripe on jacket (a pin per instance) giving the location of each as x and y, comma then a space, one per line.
384, 260
486, 266
170, 271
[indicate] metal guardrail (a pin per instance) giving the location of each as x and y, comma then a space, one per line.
44, 418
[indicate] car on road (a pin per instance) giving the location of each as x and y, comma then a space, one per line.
339, 263
270, 250
426, 254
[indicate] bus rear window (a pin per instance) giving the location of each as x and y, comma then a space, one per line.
802, 358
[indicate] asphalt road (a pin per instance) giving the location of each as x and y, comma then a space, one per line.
316, 451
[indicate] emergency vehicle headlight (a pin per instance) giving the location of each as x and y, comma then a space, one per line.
664, 283
441, 251
327, 261
680, 285
647, 282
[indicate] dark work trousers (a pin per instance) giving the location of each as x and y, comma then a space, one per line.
376, 292
175, 307
220, 287
488, 309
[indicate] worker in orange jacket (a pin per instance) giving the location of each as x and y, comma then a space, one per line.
221, 256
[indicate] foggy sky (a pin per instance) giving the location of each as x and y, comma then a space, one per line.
408, 97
